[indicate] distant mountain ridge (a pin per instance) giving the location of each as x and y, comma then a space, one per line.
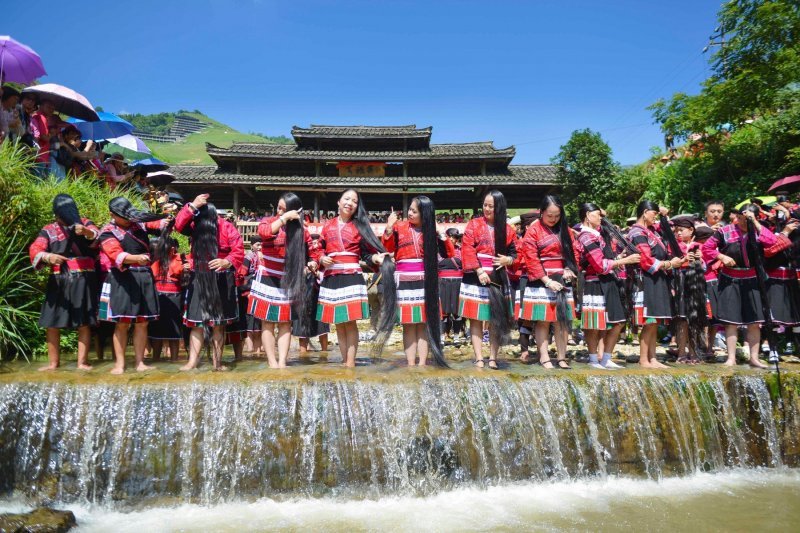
181, 137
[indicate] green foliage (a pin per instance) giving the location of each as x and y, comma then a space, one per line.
156, 124
27, 207
280, 139
586, 170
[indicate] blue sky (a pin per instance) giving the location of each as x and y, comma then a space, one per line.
518, 73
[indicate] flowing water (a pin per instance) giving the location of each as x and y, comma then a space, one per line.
406, 449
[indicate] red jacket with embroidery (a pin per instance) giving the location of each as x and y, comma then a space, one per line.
596, 256
273, 246
172, 279
406, 243
652, 250
479, 239
229, 241
336, 238
732, 241
118, 243
541, 247
53, 239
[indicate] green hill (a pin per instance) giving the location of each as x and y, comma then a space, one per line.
192, 149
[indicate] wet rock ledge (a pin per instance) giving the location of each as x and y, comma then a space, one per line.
40, 520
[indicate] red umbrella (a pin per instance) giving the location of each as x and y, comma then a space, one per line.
789, 182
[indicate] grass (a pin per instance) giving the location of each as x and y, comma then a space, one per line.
192, 150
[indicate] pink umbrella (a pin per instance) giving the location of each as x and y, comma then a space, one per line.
65, 99
787, 182
18, 63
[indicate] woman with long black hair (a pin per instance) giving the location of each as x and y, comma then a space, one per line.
552, 265
211, 300
278, 290
653, 298
487, 250
129, 293
343, 295
416, 246
168, 268
67, 245
741, 249
692, 309
603, 310
450, 274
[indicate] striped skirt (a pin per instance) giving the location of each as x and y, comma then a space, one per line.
195, 310
602, 304
129, 296
267, 301
411, 302
539, 302
342, 298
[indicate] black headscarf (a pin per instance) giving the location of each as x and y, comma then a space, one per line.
122, 207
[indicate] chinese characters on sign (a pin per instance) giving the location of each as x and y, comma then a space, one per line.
354, 169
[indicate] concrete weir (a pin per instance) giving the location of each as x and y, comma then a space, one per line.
381, 429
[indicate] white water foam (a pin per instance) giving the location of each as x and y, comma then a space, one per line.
763, 500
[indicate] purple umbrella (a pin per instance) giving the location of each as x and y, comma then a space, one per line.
65, 99
18, 63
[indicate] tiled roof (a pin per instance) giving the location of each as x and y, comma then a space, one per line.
357, 132
476, 150
516, 175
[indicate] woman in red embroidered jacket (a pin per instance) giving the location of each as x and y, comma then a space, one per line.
450, 274
278, 289
487, 250
416, 246
692, 308
739, 294
211, 300
551, 263
343, 294
168, 268
603, 311
129, 293
67, 245
653, 300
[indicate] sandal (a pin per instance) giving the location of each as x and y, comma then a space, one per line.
684, 361
563, 364
542, 363
478, 363
526, 359
493, 364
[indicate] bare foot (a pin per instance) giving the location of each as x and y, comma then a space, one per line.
644, 364
186, 367
141, 367
756, 363
658, 364
221, 368
48, 368
84, 367
117, 370
730, 363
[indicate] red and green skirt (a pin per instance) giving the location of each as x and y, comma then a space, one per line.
411, 302
473, 298
342, 298
267, 301
601, 305
539, 303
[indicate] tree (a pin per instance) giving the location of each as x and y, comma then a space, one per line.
586, 169
758, 59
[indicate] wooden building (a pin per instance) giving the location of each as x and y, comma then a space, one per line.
389, 164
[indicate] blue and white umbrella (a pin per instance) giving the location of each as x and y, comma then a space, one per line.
131, 142
110, 126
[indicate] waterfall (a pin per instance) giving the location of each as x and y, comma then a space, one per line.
230, 440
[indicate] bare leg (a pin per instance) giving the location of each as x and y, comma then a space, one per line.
422, 343
268, 342
609, 341
53, 336
84, 340
120, 342
682, 339
476, 336
731, 336
195, 345
303, 342
561, 335
341, 337
754, 339
352, 343
592, 338
238, 349
174, 348
323, 342
157, 345
139, 345
541, 331
217, 344
410, 343
647, 338
284, 342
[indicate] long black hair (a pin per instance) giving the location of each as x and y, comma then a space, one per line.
388, 312
755, 256
430, 246
501, 322
627, 287
294, 276
567, 254
162, 248
692, 289
205, 248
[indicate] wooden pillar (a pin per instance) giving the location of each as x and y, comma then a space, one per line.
236, 201
405, 204
316, 206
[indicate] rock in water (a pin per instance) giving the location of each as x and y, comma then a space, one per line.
40, 520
